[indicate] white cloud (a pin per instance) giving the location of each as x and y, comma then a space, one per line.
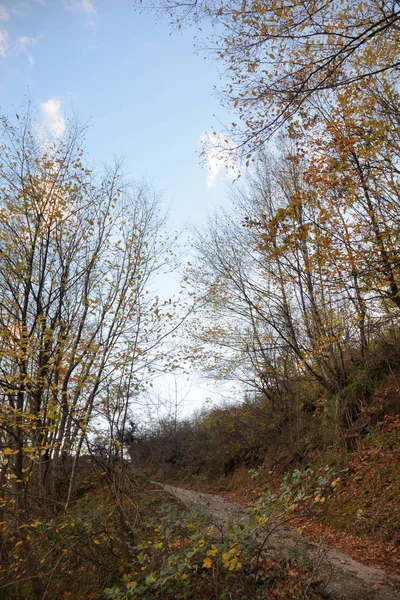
220, 157
3, 42
85, 6
17, 8
53, 118
24, 42
4, 14
14, 8
88, 7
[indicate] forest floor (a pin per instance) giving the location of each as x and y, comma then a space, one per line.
338, 575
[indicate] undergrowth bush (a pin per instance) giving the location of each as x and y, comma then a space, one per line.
125, 540
187, 555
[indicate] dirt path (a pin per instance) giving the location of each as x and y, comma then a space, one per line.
347, 578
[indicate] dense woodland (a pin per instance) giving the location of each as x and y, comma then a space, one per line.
294, 296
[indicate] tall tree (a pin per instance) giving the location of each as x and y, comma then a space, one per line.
279, 55
78, 318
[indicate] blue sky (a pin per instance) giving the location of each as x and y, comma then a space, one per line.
145, 93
